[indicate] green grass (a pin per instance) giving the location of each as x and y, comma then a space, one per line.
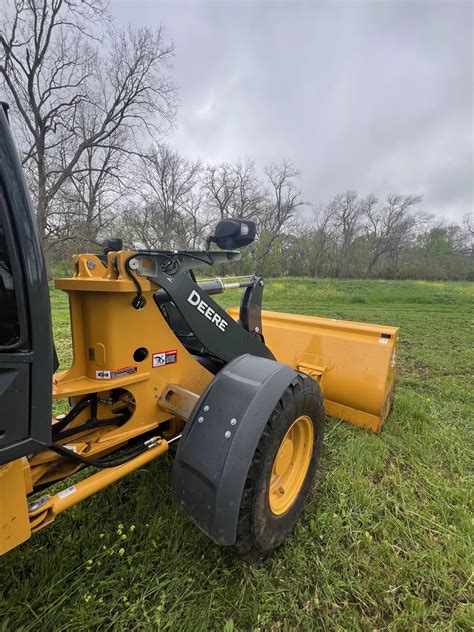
383, 545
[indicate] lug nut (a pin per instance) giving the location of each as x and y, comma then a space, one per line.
228, 434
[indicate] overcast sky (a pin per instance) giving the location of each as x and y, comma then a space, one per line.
373, 96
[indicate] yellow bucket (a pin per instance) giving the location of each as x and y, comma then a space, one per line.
353, 362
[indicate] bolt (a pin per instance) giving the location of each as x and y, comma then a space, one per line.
261, 283
257, 329
233, 421
206, 408
228, 434
91, 264
281, 491
200, 420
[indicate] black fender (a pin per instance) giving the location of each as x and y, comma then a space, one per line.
219, 441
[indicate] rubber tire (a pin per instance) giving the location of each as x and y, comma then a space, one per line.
259, 530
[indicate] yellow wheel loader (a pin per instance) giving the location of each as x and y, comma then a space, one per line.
242, 393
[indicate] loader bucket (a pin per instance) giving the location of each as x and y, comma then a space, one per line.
353, 362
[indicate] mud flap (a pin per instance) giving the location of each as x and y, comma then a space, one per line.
220, 439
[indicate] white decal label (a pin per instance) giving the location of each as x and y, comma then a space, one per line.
67, 492
383, 341
102, 375
110, 375
196, 301
164, 357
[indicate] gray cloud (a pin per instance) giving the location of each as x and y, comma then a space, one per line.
375, 96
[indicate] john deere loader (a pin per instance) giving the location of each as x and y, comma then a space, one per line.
242, 393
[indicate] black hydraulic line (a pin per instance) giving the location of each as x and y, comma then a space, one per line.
94, 407
174, 261
139, 301
100, 463
71, 415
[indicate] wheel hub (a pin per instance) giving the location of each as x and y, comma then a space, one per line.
284, 456
291, 465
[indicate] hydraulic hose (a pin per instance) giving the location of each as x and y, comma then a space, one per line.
100, 463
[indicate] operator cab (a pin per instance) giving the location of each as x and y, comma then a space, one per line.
10, 321
26, 347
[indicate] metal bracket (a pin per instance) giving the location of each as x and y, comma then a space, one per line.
251, 308
171, 263
219, 334
178, 401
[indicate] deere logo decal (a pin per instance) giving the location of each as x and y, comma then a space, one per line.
208, 312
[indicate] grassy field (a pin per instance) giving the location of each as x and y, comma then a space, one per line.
383, 545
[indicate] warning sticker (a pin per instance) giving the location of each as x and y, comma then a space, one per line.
126, 370
164, 358
109, 375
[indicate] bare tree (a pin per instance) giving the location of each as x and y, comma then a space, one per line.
468, 223
283, 201
92, 199
390, 225
138, 227
168, 186
219, 184
322, 241
249, 193
346, 211
233, 190
55, 72
196, 219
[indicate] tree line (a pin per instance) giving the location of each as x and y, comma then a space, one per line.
171, 202
91, 104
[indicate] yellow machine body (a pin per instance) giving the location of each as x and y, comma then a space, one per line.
353, 362
106, 332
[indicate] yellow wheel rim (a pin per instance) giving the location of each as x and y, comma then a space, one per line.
291, 465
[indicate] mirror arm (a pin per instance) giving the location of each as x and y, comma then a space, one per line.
210, 239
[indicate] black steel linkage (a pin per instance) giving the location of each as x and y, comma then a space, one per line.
211, 325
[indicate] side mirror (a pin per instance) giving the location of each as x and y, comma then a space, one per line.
231, 234
113, 244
